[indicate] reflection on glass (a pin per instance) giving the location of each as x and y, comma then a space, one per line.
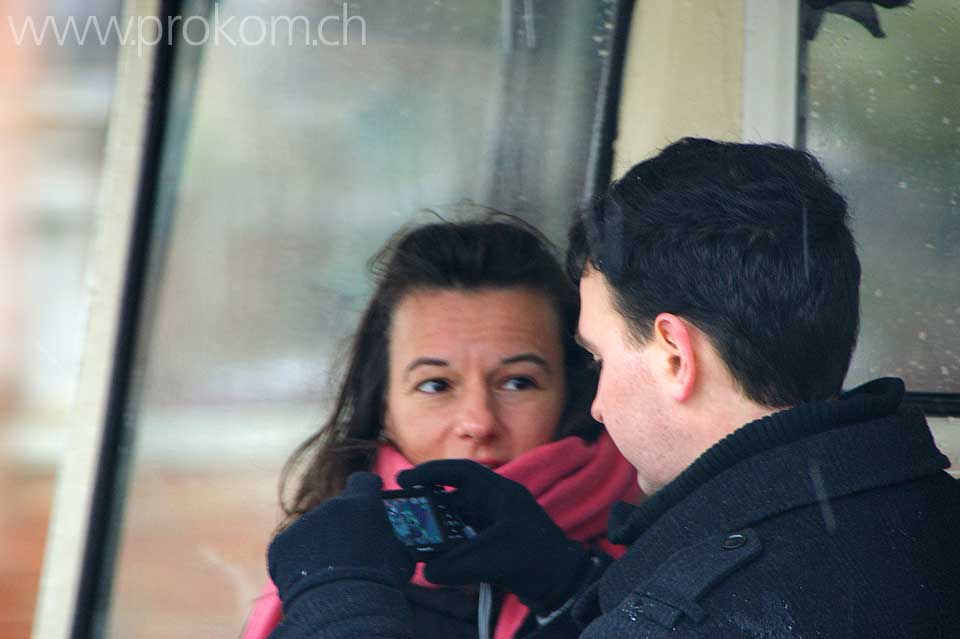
298, 161
884, 115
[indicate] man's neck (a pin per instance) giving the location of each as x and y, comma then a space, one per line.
725, 411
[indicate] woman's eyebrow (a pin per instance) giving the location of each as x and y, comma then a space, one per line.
426, 361
527, 357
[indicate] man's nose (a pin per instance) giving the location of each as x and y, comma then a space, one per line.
595, 410
477, 418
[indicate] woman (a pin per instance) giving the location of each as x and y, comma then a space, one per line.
467, 350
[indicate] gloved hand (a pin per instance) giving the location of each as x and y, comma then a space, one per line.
517, 547
346, 538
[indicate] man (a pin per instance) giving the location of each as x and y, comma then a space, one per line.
719, 287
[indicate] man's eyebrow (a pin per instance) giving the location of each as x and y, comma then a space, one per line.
584, 342
425, 361
527, 357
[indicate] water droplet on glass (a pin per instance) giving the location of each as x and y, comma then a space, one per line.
878, 293
922, 335
913, 87
946, 120
937, 80
901, 184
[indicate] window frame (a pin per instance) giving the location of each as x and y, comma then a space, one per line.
74, 554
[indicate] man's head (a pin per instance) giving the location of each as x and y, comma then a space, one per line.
719, 282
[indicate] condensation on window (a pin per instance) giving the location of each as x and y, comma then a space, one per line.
884, 116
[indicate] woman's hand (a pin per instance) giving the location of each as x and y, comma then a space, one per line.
518, 547
347, 540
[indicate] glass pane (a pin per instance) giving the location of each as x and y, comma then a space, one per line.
295, 163
884, 115
54, 102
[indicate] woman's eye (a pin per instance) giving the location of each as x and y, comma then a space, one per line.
433, 386
519, 383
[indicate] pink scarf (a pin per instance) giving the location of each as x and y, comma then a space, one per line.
575, 482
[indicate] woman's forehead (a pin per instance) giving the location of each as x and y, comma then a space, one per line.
506, 322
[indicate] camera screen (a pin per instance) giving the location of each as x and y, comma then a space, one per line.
413, 521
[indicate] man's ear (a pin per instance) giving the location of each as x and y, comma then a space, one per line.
674, 339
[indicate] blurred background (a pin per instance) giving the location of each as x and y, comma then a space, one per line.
285, 167
54, 107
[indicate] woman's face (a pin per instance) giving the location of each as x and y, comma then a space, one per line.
476, 375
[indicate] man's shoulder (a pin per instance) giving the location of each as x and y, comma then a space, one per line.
807, 571
672, 592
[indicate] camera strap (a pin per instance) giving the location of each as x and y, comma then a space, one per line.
484, 607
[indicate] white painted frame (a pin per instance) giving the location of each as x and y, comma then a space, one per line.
116, 209
770, 70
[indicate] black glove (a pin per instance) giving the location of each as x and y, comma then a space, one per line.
518, 547
341, 562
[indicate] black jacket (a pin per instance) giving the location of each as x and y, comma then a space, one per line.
451, 613
443, 613
833, 519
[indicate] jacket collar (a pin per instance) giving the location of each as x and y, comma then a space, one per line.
814, 452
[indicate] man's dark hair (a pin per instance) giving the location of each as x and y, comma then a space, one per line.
748, 242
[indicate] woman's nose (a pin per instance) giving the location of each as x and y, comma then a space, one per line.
477, 418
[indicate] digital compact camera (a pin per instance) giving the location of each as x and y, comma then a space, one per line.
424, 520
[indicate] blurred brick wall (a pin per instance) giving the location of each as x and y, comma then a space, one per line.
25, 495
